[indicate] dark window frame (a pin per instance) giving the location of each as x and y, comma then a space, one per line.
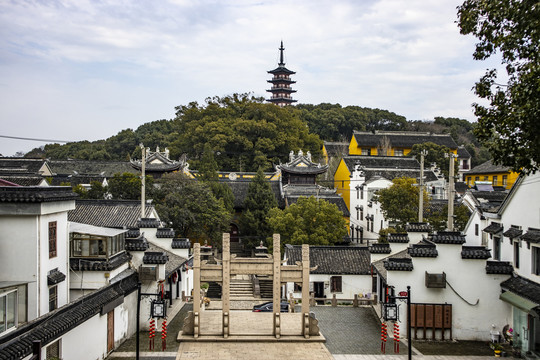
336, 284
53, 298
53, 243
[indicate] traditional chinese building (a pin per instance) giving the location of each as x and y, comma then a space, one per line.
281, 83
158, 163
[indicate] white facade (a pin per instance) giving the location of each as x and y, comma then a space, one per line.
351, 285
366, 213
24, 250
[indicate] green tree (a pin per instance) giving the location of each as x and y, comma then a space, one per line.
127, 186
439, 219
97, 190
436, 154
208, 173
308, 221
191, 209
244, 132
399, 202
258, 202
509, 125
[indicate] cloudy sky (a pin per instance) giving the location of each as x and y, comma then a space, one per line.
86, 69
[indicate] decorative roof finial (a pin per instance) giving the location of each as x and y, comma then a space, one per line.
281, 62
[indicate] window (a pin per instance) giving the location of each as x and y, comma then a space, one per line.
297, 287
494, 181
497, 248
335, 284
8, 310
362, 192
469, 180
53, 351
398, 152
361, 213
95, 246
504, 180
516, 254
486, 178
476, 178
52, 239
366, 152
535, 260
476, 229
53, 298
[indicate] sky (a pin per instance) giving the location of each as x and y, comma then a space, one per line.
87, 69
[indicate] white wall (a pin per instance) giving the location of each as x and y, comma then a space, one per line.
468, 277
350, 284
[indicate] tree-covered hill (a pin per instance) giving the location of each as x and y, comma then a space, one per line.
246, 133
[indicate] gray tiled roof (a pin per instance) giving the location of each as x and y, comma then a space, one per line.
47, 328
398, 238
493, 228
165, 233
26, 180
182, 243
35, 194
499, 267
173, 261
378, 265
380, 248
148, 223
398, 264
336, 148
139, 244
523, 287
55, 277
531, 236
462, 152
155, 257
76, 179
333, 259
447, 237
405, 139
15, 166
332, 199
99, 264
423, 249
419, 227
103, 168
512, 233
475, 252
120, 214
487, 168
133, 233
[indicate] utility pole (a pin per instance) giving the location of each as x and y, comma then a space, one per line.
451, 192
423, 153
143, 181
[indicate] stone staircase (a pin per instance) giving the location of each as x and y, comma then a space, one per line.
214, 290
241, 289
267, 288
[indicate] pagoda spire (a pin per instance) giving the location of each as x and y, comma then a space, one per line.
281, 83
281, 48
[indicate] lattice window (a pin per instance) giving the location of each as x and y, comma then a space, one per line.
52, 239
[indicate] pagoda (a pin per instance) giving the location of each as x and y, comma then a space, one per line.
281, 83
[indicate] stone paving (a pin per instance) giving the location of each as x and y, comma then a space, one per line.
350, 330
351, 334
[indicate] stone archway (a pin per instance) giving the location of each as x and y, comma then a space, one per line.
269, 266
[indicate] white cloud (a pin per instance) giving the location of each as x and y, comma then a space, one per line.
104, 66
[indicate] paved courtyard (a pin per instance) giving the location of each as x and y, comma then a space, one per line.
351, 334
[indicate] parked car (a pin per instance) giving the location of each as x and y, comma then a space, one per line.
269, 307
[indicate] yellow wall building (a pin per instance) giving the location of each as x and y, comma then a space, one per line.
497, 175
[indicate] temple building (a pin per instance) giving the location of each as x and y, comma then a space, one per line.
158, 163
281, 83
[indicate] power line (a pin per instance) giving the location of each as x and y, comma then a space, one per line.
34, 139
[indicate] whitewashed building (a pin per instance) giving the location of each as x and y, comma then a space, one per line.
338, 270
